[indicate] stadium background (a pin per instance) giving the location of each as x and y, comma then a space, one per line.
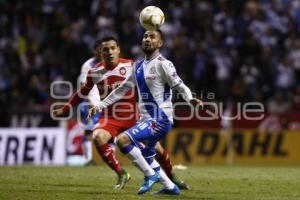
237, 51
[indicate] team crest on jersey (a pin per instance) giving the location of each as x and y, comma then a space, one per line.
122, 71
152, 70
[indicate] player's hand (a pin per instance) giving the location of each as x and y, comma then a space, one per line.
58, 112
93, 110
197, 102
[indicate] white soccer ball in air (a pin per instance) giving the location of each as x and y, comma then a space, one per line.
152, 18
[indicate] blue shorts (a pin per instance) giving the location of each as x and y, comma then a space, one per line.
89, 124
148, 132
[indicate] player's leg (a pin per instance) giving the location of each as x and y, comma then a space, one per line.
159, 130
167, 183
134, 153
131, 149
87, 147
168, 186
89, 125
101, 138
148, 133
163, 159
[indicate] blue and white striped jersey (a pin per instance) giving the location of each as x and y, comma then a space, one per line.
154, 80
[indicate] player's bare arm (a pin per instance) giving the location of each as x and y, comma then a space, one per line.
58, 112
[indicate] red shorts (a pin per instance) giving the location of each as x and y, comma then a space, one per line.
115, 127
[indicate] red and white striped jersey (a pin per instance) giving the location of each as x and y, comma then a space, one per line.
106, 80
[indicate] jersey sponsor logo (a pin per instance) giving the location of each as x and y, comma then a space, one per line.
106, 87
122, 71
150, 77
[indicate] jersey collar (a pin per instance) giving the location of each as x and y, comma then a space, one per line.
111, 67
148, 61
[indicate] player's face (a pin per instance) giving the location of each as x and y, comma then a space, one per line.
151, 41
110, 52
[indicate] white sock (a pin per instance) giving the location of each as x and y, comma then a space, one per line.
154, 164
164, 179
136, 156
87, 150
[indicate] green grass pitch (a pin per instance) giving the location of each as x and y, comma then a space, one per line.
207, 182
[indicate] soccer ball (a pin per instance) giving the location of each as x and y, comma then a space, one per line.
151, 18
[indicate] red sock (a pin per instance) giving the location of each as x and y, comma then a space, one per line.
108, 155
165, 163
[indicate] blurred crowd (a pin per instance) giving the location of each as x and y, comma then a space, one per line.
239, 50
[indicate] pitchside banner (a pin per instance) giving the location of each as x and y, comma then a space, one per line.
243, 146
38, 146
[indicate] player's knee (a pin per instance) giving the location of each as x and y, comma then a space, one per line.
123, 140
95, 135
101, 136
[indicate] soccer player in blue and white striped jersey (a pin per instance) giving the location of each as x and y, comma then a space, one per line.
154, 77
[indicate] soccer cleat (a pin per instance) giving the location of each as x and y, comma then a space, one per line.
165, 191
123, 178
149, 181
180, 183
